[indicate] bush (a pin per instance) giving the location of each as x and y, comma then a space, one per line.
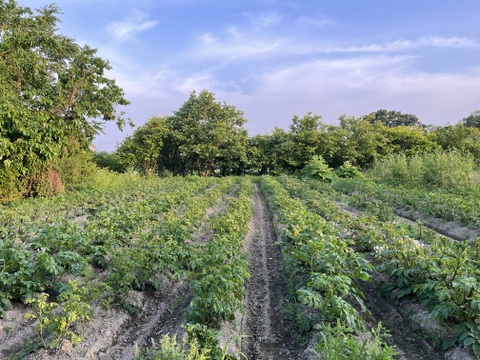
10, 185
447, 170
109, 161
316, 168
348, 171
15, 185
77, 170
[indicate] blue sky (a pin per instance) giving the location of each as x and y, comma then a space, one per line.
273, 59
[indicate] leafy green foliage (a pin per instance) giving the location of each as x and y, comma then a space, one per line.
472, 120
460, 137
203, 137
441, 169
59, 319
316, 168
51, 89
321, 266
440, 273
220, 268
109, 161
348, 171
393, 118
337, 343
144, 150
168, 348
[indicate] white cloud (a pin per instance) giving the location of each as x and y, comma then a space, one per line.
400, 45
359, 86
234, 44
129, 27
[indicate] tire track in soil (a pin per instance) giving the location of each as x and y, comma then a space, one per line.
266, 292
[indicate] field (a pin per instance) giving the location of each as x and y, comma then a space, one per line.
254, 267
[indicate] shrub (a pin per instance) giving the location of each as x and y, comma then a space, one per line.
110, 161
447, 170
77, 170
348, 171
316, 168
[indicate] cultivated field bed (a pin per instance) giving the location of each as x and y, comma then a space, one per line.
262, 268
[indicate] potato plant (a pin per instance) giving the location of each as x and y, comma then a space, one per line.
440, 273
323, 267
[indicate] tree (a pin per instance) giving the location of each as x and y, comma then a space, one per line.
393, 118
269, 153
54, 96
143, 150
356, 140
202, 137
304, 139
409, 141
109, 161
472, 120
206, 137
459, 137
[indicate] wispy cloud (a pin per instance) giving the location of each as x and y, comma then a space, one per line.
127, 29
315, 21
400, 45
235, 44
263, 20
360, 85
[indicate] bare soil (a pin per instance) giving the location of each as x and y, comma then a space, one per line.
452, 229
405, 336
113, 334
269, 335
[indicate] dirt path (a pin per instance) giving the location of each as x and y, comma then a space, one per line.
267, 292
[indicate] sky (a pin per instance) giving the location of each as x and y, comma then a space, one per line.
274, 59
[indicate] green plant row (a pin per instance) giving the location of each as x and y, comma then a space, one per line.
120, 248
450, 206
38, 260
220, 269
217, 272
159, 250
324, 269
27, 216
440, 273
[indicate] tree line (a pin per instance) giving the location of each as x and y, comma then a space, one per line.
205, 137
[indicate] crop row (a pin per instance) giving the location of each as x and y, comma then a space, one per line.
124, 246
440, 273
30, 214
219, 270
323, 270
462, 207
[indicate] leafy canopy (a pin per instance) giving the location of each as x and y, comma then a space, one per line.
54, 95
202, 137
393, 118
